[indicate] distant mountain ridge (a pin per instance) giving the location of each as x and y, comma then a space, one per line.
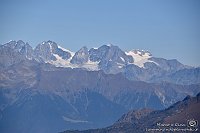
108, 56
135, 65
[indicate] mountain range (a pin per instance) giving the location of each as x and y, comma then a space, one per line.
135, 64
51, 89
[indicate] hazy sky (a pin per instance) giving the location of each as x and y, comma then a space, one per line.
167, 28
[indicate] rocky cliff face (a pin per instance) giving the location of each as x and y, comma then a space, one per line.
80, 57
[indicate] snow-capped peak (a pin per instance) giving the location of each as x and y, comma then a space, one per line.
95, 48
66, 50
140, 57
140, 52
50, 47
109, 44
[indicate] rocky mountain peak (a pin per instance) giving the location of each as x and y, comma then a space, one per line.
47, 45
44, 51
17, 45
137, 64
83, 50
10, 44
140, 52
81, 56
22, 48
49, 51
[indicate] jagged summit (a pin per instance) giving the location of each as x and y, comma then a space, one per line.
15, 44
141, 52
140, 57
80, 56
20, 47
109, 58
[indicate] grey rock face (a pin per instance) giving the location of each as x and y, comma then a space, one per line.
111, 58
21, 47
98, 54
168, 65
14, 52
45, 52
64, 54
153, 71
9, 57
80, 56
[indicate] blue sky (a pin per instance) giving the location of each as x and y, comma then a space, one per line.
167, 28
